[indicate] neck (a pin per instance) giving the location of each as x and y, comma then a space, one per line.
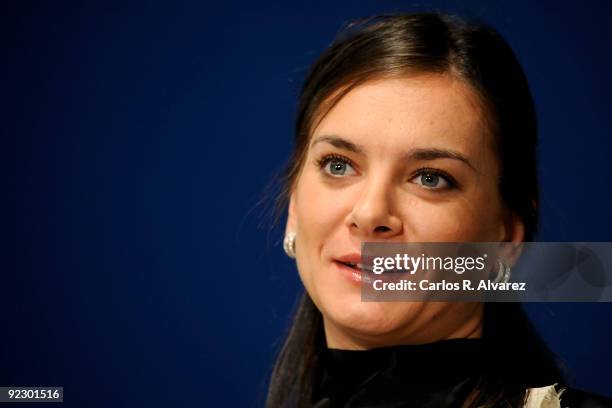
448, 321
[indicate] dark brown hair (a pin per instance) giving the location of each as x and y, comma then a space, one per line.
396, 45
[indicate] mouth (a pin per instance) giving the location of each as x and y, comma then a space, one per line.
358, 267
355, 272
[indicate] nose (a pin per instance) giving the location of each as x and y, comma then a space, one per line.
373, 214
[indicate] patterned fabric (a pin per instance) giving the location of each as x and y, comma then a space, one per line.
544, 397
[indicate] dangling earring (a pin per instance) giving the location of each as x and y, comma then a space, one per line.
289, 244
503, 274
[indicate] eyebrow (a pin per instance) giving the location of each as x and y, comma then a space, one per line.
415, 154
340, 143
433, 154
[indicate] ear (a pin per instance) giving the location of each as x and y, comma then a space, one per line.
292, 224
514, 233
514, 227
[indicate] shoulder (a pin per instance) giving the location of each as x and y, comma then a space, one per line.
555, 396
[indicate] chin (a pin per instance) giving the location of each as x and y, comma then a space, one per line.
368, 319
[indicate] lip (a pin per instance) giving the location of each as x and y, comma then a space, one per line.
356, 275
362, 272
363, 263
353, 257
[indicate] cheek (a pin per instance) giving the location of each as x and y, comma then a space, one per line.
320, 214
465, 219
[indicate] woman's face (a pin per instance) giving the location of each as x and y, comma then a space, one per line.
395, 160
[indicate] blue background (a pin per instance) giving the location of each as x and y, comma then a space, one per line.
146, 272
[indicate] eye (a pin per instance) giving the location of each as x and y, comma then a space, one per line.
433, 179
336, 166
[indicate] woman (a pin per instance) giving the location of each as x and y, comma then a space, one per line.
411, 128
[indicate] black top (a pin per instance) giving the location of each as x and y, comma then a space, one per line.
433, 375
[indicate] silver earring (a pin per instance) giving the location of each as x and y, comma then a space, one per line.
289, 244
503, 274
